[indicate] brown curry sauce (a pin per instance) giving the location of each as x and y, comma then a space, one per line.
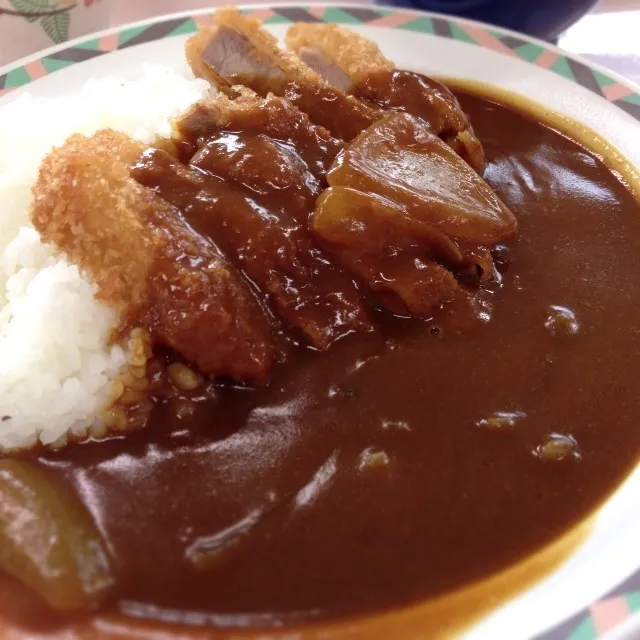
370, 476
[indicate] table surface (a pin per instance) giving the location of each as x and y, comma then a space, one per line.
608, 35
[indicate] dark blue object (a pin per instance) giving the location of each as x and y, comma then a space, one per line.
544, 19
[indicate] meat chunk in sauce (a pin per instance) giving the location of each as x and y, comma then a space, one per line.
259, 235
146, 260
272, 117
378, 241
350, 62
258, 63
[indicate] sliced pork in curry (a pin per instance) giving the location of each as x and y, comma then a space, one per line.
273, 118
235, 50
350, 62
259, 235
265, 222
449, 215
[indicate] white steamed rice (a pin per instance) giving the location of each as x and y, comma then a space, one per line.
56, 367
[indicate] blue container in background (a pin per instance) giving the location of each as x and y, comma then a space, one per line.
544, 19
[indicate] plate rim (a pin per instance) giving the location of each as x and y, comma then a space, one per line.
313, 8
495, 35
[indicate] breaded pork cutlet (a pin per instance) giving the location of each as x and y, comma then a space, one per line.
145, 259
350, 86
235, 50
333, 51
360, 68
273, 117
251, 186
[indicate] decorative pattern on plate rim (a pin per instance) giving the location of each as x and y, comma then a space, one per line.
488, 37
602, 616
623, 601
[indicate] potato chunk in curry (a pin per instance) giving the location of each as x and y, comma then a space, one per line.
405, 212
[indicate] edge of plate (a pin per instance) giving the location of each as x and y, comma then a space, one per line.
623, 601
606, 84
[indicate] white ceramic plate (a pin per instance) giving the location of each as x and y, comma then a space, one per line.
446, 47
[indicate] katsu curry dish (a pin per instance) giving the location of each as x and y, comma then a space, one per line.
302, 338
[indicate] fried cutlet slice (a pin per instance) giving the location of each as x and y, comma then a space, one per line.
234, 46
273, 117
264, 231
335, 52
146, 260
332, 50
235, 50
241, 46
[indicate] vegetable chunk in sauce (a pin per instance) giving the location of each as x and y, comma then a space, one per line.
400, 158
48, 541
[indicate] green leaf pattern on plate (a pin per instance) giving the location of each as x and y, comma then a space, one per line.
53, 16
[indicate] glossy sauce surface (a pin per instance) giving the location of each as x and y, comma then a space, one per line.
376, 474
